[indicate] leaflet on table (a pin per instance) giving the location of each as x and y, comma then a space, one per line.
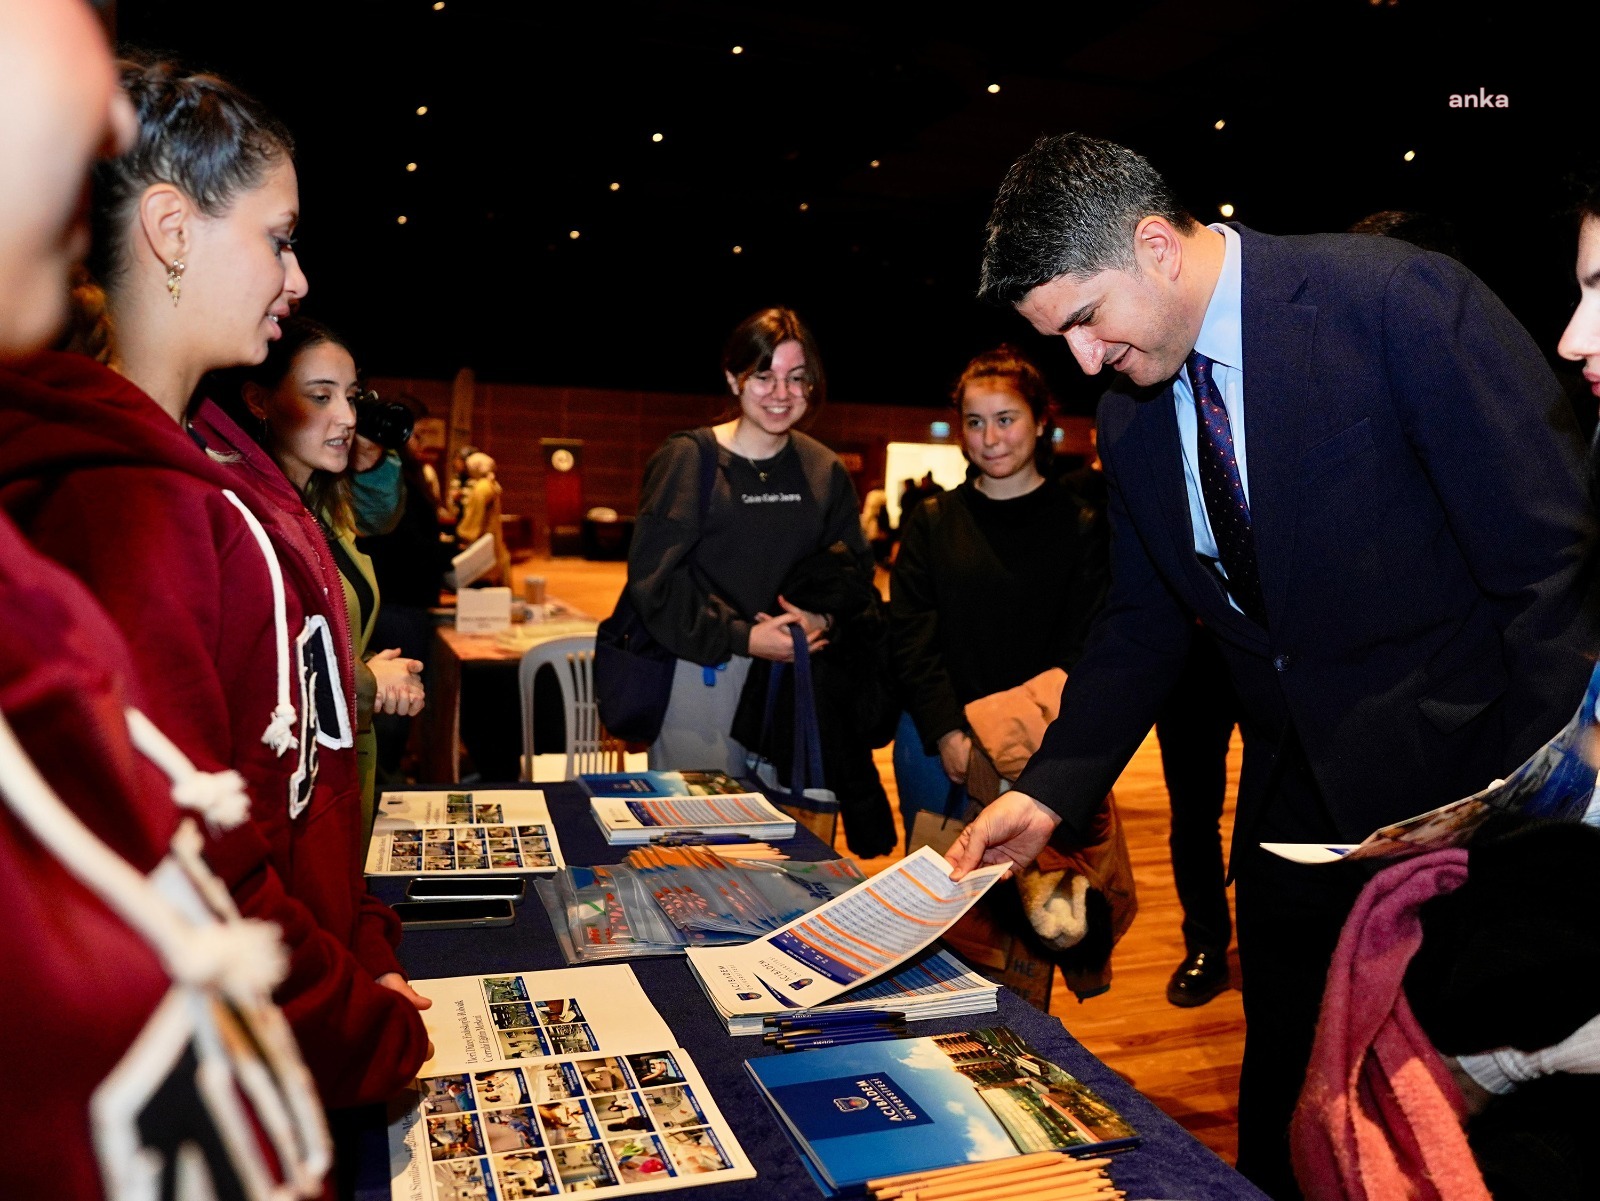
638, 821
545, 1083
463, 833
878, 1109
1557, 783
853, 938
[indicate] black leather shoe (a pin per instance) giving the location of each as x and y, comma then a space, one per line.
1199, 978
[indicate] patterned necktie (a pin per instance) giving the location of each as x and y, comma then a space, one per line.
1223, 491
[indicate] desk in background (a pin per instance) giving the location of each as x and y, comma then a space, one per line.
1169, 1164
452, 654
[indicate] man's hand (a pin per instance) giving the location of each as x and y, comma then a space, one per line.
402, 986
770, 637
365, 454
955, 752
1011, 830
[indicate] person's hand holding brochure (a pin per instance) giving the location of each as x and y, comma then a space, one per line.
1557, 783
869, 930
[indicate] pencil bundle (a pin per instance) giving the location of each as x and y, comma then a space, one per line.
1044, 1176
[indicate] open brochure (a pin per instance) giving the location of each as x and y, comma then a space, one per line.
546, 1083
1557, 783
879, 1109
463, 833
868, 931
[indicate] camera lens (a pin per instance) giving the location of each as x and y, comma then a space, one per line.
386, 422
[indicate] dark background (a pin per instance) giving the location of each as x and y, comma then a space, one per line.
535, 108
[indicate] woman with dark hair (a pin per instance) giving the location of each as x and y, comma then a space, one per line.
301, 405
223, 598
711, 548
996, 581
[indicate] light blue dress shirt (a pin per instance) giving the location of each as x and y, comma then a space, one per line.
1221, 341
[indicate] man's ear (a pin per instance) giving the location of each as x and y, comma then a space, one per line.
1158, 245
165, 215
255, 399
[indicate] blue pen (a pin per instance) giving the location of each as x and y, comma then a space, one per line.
811, 1044
833, 1031
842, 1017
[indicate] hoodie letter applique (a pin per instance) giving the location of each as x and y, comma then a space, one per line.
324, 716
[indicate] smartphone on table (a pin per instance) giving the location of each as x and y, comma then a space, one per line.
468, 888
454, 915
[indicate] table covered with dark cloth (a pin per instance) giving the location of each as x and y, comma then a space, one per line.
1169, 1164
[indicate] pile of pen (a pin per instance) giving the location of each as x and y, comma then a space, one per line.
808, 1031
1044, 1176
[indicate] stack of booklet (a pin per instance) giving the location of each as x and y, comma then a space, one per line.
830, 956
649, 806
877, 1109
545, 1083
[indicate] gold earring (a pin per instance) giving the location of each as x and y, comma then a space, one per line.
175, 280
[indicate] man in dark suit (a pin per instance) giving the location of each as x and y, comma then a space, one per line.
1346, 458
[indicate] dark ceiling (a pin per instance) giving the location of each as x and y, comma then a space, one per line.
535, 109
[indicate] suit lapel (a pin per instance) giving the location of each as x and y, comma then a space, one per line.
1277, 335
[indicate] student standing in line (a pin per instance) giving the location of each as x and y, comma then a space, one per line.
113, 984
998, 580
301, 405
230, 626
708, 590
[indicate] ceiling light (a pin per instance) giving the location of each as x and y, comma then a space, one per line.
1410, 154
655, 137
400, 220
738, 250
616, 187
804, 206
738, 49
411, 166
422, 110
873, 163
994, 89
573, 234
438, 5
1219, 125
1226, 210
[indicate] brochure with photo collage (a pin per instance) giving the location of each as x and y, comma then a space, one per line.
463, 833
547, 1083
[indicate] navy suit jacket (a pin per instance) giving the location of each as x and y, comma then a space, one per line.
1422, 532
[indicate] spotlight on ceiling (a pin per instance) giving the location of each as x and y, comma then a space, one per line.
1226, 210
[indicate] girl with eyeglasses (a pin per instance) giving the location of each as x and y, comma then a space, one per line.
712, 548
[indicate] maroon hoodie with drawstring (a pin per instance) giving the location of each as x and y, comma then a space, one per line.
243, 657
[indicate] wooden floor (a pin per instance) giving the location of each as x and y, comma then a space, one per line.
1184, 1060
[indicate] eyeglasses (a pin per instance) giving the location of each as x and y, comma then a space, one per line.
765, 383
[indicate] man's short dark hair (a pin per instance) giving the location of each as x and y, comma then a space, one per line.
1584, 184
1069, 206
1422, 230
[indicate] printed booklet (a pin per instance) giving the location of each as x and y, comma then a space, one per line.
878, 1109
854, 938
463, 833
642, 806
1557, 783
547, 1083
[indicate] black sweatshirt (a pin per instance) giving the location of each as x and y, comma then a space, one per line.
986, 594
699, 590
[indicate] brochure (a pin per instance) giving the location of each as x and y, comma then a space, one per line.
546, 1083
852, 939
463, 833
1557, 783
878, 1109
640, 807
934, 984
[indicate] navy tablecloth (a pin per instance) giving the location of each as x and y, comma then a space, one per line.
1170, 1163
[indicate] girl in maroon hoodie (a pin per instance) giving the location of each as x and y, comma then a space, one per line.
236, 626
127, 976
